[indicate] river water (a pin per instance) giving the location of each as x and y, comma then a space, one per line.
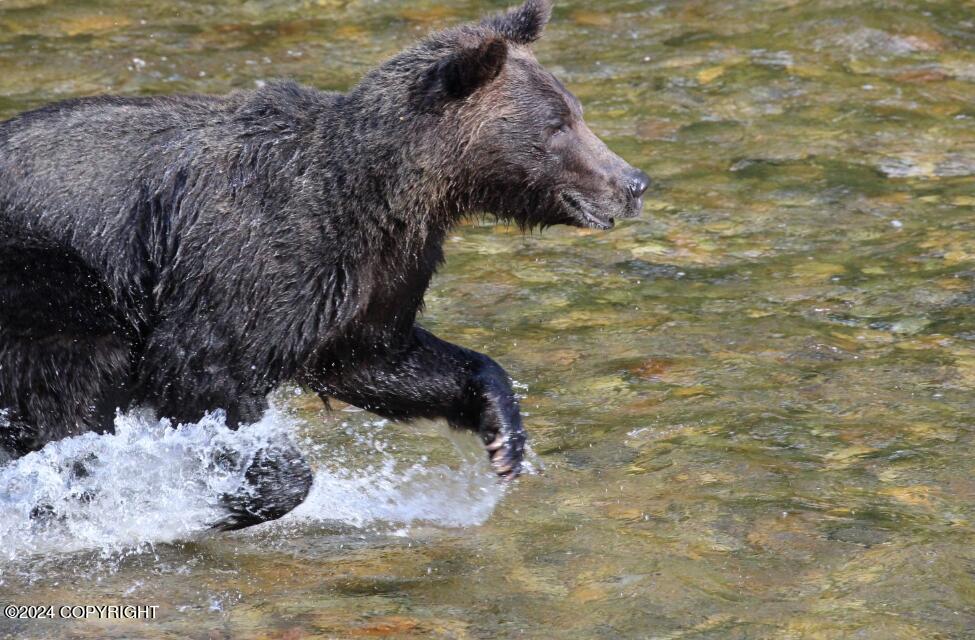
753, 408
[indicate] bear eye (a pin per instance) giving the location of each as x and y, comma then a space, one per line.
558, 128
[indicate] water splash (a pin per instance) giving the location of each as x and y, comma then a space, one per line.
150, 483
388, 494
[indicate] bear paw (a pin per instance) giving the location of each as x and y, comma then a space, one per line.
277, 480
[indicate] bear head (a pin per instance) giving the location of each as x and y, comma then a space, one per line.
502, 131
529, 154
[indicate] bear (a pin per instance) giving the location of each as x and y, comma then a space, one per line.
191, 253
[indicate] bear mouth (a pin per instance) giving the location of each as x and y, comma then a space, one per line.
583, 214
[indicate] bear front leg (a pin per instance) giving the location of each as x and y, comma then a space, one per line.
430, 378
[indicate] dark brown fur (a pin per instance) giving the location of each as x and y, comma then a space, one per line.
191, 253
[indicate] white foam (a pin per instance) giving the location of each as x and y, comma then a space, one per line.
385, 494
149, 483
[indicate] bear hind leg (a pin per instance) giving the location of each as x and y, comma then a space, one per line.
65, 359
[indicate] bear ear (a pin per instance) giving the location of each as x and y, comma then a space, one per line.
462, 72
524, 24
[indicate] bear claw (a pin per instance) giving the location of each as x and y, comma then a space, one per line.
496, 444
505, 461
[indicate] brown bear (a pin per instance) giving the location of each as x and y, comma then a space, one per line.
191, 253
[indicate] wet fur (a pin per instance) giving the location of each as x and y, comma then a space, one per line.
191, 253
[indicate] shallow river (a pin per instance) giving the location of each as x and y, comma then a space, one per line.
753, 408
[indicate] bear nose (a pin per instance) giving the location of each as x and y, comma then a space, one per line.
637, 182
